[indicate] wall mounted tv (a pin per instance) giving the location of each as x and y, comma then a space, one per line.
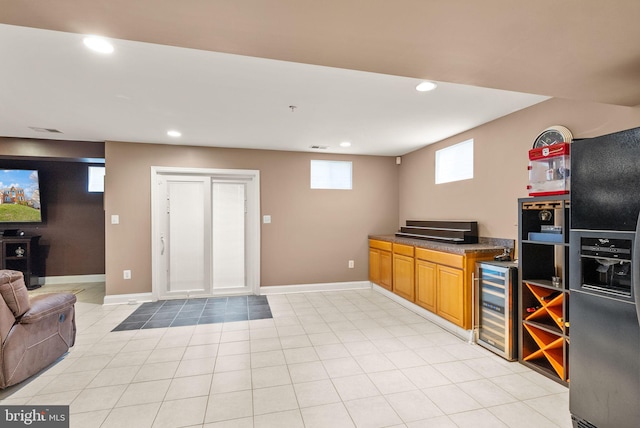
20, 196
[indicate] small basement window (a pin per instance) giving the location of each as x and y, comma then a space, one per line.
455, 163
335, 175
96, 179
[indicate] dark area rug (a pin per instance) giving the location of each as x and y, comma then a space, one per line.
173, 313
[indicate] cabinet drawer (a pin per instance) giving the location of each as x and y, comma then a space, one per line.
441, 258
381, 245
405, 250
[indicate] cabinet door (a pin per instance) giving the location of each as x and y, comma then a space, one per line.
426, 284
403, 277
374, 265
450, 294
386, 269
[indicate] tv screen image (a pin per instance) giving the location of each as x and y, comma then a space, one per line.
20, 196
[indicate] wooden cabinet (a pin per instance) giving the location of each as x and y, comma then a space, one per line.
20, 253
426, 279
451, 304
403, 272
438, 281
380, 263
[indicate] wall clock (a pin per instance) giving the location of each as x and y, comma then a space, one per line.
553, 135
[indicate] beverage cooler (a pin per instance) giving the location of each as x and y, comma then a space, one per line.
496, 314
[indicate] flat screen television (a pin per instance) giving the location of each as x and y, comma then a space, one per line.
20, 196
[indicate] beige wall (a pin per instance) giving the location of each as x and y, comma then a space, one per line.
313, 233
500, 167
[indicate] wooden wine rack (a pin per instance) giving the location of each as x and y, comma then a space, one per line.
544, 308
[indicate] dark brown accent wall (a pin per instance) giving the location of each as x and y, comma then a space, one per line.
73, 231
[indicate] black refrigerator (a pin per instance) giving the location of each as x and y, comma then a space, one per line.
604, 363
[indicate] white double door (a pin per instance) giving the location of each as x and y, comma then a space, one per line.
205, 239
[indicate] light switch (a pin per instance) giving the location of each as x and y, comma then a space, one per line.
115, 219
266, 219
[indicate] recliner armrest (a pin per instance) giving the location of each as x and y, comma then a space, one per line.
47, 304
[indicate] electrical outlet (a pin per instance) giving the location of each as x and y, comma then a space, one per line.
351, 264
126, 274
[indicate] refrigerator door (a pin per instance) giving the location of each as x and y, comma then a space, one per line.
605, 182
635, 268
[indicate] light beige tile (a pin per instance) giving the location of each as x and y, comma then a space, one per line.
187, 387
200, 351
234, 348
274, 399
114, 376
372, 363
96, 362
181, 413
173, 341
267, 359
413, 406
306, 372
232, 423
227, 363
144, 392
264, 333
62, 398
124, 359
299, 341
457, 371
487, 393
481, 418
195, 367
451, 399
230, 406
165, 355
342, 367
519, 415
204, 338
140, 416
234, 336
355, 387
270, 376
156, 371
329, 415
141, 344
88, 419
330, 351
361, 348
69, 382
372, 412
92, 399
289, 419
316, 393
231, 381
269, 344
300, 355
392, 381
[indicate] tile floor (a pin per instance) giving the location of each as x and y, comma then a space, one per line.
326, 360
184, 312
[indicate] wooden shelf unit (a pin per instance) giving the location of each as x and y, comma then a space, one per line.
20, 253
543, 304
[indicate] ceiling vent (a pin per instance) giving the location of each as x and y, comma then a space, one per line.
49, 130
319, 147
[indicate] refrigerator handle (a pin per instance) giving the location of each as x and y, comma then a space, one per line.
635, 268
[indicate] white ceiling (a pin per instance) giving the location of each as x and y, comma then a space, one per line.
48, 79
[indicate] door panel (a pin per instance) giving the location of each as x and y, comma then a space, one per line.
186, 238
426, 284
228, 232
450, 294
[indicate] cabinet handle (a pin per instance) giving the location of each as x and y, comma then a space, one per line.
162, 242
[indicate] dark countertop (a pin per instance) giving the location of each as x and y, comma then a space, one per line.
485, 244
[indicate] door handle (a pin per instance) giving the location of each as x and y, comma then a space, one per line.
162, 242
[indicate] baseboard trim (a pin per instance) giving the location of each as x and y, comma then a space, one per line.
71, 279
312, 288
463, 334
128, 299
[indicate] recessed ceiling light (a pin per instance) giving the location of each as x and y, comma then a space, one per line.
345, 144
174, 133
98, 44
426, 86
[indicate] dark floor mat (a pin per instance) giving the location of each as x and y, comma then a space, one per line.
173, 313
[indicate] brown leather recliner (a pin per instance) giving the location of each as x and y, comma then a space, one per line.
34, 332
